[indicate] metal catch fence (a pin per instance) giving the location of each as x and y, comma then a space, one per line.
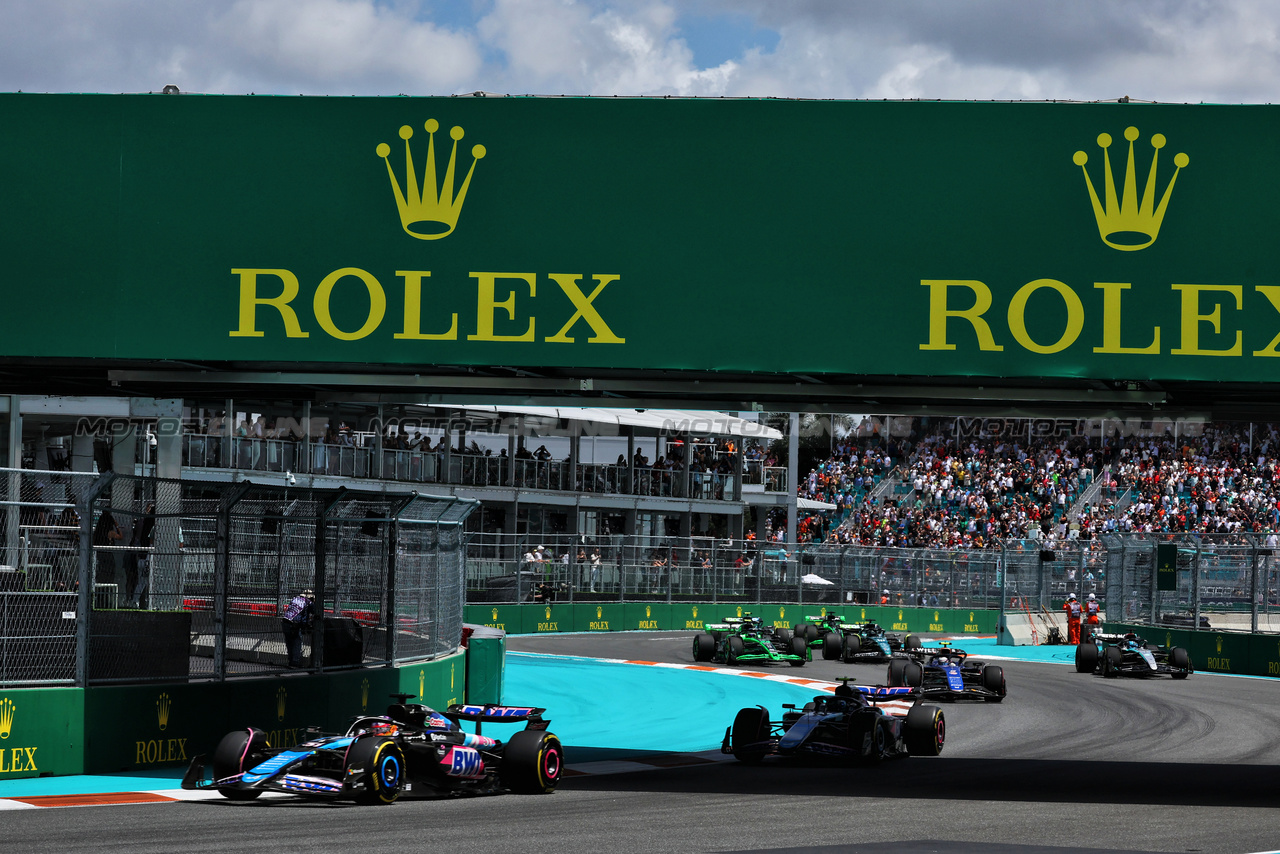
143, 579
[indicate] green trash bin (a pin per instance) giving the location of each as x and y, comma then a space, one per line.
486, 665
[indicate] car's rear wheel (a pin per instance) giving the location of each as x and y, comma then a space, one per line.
993, 680
735, 647
236, 753
749, 736
704, 647
1112, 661
896, 667
1178, 657
783, 635
384, 769
925, 731
851, 647
532, 762
1086, 658
831, 646
913, 674
801, 649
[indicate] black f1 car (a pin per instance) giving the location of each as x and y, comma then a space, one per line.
945, 673
848, 642
1129, 655
412, 747
747, 639
857, 723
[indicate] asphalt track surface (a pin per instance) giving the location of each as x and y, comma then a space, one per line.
1068, 762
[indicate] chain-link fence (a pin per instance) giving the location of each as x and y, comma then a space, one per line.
1227, 581
119, 578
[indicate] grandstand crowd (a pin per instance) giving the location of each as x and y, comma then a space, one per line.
941, 486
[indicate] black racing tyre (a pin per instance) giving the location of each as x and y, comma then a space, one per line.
735, 647
1112, 661
851, 647
993, 680
925, 731
1086, 658
913, 674
1178, 657
236, 753
912, 642
532, 762
832, 645
750, 731
800, 648
384, 769
783, 635
896, 666
704, 647
810, 633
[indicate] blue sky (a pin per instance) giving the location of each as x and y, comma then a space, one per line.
1156, 50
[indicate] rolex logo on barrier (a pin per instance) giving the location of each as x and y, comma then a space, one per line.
163, 705
495, 614
1124, 223
280, 698
599, 612
429, 211
364, 694
6, 717
422, 682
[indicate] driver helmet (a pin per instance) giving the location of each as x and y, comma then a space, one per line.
383, 728
943, 660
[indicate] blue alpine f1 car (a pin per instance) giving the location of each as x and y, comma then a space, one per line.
856, 723
411, 748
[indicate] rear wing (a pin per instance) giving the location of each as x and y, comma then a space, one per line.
531, 716
719, 627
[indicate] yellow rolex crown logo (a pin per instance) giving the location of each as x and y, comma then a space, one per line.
495, 615
548, 612
422, 681
163, 705
1124, 223
599, 612
1168, 638
695, 612
364, 694
1219, 643
648, 612
6, 717
280, 698
429, 211
899, 615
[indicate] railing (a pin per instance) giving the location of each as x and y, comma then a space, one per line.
463, 469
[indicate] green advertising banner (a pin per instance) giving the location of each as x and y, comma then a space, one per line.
1166, 566
41, 732
964, 239
598, 617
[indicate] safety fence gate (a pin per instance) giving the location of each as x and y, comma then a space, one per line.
129, 579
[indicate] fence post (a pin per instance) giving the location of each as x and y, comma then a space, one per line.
84, 604
1253, 591
221, 564
322, 553
1195, 586
393, 531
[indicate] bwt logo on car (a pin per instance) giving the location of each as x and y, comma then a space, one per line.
463, 762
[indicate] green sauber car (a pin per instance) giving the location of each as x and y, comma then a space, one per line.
747, 640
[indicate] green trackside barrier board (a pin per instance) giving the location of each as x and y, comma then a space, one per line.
154, 726
41, 732
1216, 651
681, 616
969, 239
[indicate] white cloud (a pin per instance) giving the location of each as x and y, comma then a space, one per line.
1167, 50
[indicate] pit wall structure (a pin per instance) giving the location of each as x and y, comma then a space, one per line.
102, 730
663, 616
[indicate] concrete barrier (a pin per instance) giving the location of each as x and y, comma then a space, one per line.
1014, 630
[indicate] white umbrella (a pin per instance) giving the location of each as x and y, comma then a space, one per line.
815, 579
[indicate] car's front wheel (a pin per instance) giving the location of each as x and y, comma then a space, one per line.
1178, 657
924, 731
832, 644
384, 770
800, 650
851, 647
236, 753
749, 736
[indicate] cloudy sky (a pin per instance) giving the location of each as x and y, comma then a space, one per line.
1155, 50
